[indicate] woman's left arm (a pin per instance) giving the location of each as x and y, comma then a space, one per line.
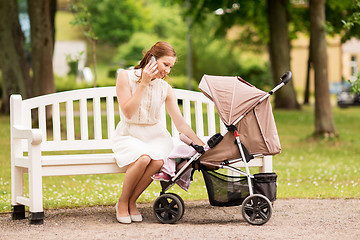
175, 114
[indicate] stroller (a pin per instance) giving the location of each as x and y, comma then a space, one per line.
246, 112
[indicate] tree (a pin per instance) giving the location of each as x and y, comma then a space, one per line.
335, 12
13, 63
115, 21
279, 49
324, 123
250, 13
42, 46
82, 18
351, 23
109, 22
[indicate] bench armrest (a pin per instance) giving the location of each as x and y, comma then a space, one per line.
34, 136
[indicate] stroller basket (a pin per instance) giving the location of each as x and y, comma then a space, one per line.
265, 184
224, 190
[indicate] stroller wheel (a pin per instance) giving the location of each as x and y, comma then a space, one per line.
182, 203
168, 208
256, 209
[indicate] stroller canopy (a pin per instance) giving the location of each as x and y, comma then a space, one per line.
234, 97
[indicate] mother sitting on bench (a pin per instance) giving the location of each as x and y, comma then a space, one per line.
141, 142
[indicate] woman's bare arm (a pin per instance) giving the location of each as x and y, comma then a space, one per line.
179, 121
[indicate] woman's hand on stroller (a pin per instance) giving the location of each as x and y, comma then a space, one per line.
188, 141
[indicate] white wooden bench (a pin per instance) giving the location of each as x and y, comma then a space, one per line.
51, 148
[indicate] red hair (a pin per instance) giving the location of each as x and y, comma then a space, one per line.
158, 50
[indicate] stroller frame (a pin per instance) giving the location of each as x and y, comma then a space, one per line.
162, 207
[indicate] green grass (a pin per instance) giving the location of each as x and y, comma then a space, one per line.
327, 168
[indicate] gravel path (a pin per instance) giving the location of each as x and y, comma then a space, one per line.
291, 219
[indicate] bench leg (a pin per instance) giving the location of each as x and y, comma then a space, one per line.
267, 165
17, 184
36, 212
18, 212
36, 218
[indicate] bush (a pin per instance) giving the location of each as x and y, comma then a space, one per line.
259, 76
69, 83
131, 52
180, 82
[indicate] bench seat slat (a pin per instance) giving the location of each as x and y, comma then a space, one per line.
77, 159
66, 170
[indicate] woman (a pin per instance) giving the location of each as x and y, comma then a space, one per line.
141, 142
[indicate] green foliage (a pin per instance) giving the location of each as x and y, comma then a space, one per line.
220, 56
130, 53
83, 18
114, 22
181, 82
69, 83
354, 17
73, 62
355, 85
335, 12
258, 75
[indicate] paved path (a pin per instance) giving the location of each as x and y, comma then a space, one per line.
292, 219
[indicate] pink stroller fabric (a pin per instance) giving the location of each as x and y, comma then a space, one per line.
234, 97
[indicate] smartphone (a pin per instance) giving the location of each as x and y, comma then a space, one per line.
152, 59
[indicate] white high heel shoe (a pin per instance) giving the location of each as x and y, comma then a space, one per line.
126, 219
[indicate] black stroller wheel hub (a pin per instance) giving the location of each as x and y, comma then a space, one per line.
168, 208
257, 209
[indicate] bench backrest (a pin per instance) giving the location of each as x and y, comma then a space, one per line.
85, 119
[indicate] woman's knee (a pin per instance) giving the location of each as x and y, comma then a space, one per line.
157, 163
144, 160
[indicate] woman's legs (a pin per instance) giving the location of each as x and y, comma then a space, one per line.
153, 167
132, 177
137, 179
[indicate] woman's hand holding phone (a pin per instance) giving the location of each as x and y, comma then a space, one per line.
149, 72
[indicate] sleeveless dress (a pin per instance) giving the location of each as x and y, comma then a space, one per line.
143, 133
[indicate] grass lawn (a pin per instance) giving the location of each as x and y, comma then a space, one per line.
306, 168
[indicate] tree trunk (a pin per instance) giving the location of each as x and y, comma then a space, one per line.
324, 123
307, 85
279, 48
53, 9
13, 63
41, 46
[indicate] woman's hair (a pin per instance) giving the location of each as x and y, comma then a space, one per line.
158, 50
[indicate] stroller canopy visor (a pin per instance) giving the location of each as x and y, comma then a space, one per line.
232, 96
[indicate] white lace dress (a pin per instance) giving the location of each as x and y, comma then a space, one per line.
143, 133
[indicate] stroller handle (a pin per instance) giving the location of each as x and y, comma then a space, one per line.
286, 77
